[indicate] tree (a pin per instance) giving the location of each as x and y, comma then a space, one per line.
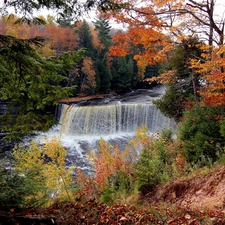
103, 66
31, 85
200, 133
123, 73
147, 22
65, 9
146, 42
48, 166
88, 80
61, 39
103, 29
86, 39
183, 82
212, 70
105, 76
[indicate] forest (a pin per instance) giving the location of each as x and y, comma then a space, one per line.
46, 58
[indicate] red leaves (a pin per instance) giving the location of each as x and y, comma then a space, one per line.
92, 212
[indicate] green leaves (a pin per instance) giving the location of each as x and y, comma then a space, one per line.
20, 189
32, 84
200, 133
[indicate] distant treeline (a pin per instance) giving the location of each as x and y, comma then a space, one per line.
96, 72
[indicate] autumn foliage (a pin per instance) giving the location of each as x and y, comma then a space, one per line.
213, 76
49, 160
106, 164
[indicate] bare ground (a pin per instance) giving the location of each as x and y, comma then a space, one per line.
202, 191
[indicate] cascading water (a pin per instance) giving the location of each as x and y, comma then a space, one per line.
111, 119
114, 119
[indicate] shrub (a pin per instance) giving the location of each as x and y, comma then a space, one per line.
21, 190
156, 162
112, 173
47, 166
120, 186
200, 133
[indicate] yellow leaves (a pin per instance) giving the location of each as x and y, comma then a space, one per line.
49, 160
168, 77
142, 64
221, 50
89, 71
26, 159
141, 137
47, 51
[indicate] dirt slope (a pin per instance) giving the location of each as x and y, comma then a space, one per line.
203, 191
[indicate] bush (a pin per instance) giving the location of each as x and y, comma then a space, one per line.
200, 133
42, 166
155, 164
19, 190
119, 186
112, 173
222, 127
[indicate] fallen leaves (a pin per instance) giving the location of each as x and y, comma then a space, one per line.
92, 212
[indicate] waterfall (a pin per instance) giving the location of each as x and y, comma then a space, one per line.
111, 119
114, 119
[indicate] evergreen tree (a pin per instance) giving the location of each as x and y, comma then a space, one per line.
86, 39
103, 28
123, 73
185, 83
29, 82
104, 74
103, 68
65, 8
31, 85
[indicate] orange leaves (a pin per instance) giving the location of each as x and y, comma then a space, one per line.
61, 38
109, 161
213, 98
213, 91
106, 163
118, 50
88, 69
169, 77
121, 47
58, 39
144, 42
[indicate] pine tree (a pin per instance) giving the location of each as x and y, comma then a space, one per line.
31, 85
86, 39
103, 66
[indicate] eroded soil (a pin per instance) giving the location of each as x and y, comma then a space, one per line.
202, 191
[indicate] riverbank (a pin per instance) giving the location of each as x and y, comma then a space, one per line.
83, 98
